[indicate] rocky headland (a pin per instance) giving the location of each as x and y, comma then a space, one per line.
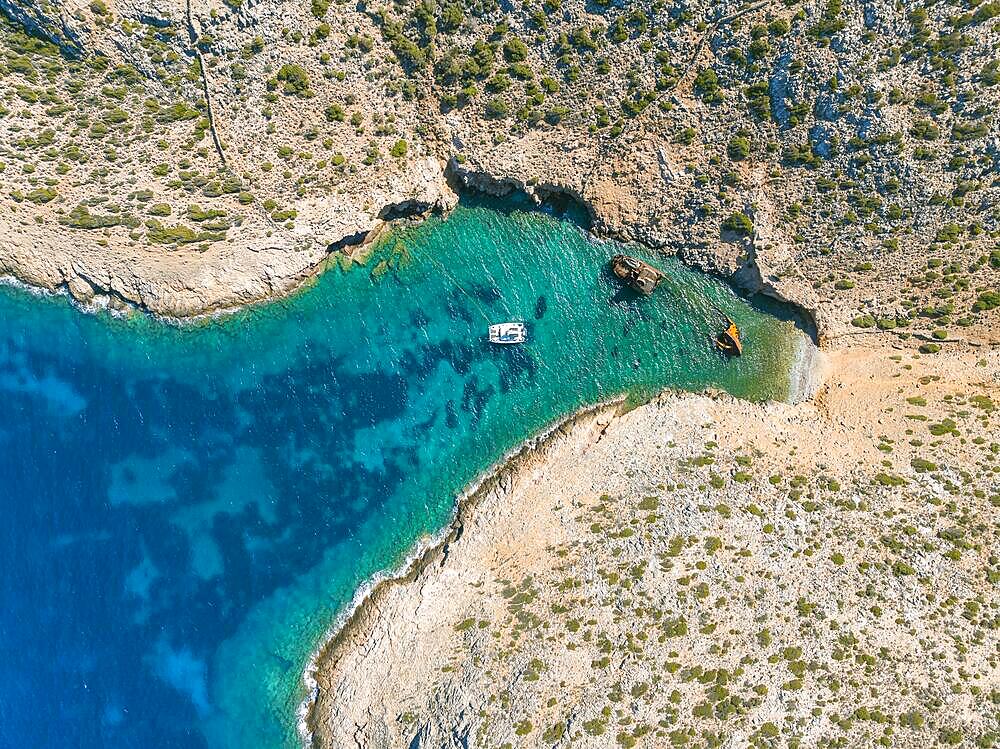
702, 571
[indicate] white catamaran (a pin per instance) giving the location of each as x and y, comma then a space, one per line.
508, 332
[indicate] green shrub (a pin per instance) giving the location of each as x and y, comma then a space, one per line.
178, 111
197, 213
990, 73
514, 50
945, 426
179, 234
738, 223
759, 100
452, 16
554, 115
675, 627
42, 195
295, 80
686, 136
965, 131
902, 569
522, 71
925, 129
738, 148
886, 479
987, 300
496, 108
779, 27
800, 155
829, 23
706, 85
554, 733
498, 83
81, 218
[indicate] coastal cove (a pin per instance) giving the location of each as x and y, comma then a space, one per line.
189, 508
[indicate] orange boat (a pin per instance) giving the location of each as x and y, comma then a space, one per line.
637, 274
728, 341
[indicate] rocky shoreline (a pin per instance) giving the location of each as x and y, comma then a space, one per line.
196, 286
496, 484
434, 549
199, 156
176, 298
190, 157
407, 667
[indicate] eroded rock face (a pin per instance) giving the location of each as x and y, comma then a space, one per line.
80, 289
52, 20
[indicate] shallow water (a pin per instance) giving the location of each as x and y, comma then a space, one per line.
185, 510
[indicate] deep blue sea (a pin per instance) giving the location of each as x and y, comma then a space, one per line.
185, 509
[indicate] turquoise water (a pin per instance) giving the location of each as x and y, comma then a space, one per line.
186, 509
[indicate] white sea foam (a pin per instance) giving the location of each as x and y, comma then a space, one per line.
102, 303
9, 280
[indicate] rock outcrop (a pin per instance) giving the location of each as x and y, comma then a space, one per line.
52, 20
